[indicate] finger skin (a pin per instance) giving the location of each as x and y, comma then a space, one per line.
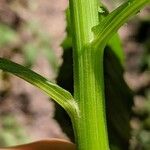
45, 145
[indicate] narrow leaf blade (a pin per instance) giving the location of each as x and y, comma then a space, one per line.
60, 95
104, 31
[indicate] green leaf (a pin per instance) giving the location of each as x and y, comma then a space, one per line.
108, 26
60, 95
116, 46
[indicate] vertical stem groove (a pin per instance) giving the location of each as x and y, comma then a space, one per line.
90, 128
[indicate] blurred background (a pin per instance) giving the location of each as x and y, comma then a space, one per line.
32, 33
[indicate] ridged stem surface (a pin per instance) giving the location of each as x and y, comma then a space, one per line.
90, 127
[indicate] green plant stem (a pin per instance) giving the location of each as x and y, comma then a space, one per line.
116, 19
90, 127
